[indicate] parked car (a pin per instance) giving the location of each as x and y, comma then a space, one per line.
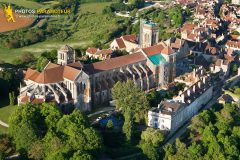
98, 119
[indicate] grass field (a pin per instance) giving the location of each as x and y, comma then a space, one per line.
5, 109
8, 55
5, 112
89, 25
93, 7
3, 130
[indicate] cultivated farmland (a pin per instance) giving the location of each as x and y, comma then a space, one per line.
21, 22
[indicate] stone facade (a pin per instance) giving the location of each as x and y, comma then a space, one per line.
90, 85
172, 114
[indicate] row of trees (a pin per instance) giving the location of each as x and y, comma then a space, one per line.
42, 131
120, 6
9, 82
212, 135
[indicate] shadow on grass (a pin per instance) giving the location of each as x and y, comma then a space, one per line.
4, 101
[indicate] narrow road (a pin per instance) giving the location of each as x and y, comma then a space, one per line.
3, 124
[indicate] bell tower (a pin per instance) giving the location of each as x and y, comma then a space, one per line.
148, 33
66, 55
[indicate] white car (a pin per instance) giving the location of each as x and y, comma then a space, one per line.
98, 119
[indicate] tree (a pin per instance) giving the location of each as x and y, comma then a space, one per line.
130, 98
9, 82
11, 98
153, 136
150, 142
41, 63
234, 69
133, 103
6, 146
42, 131
137, 3
23, 126
168, 151
128, 126
109, 124
218, 137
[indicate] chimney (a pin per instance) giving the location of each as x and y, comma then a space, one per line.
182, 98
199, 84
194, 72
189, 92
194, 89
204, 80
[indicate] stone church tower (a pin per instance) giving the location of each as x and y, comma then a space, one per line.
148, 33
66, 55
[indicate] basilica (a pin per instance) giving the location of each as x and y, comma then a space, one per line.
149, 64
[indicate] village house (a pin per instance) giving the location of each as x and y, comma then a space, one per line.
221, 66
172, 114
179, 46
190, 78
126, 42
234, 45
101, 54
193, 32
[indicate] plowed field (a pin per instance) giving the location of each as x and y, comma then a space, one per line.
21, 22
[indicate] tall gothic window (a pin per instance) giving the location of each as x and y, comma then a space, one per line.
146, 38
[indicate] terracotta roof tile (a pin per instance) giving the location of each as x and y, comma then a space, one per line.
31, 74
130, 38
52, 75
92, 50
105, 51
70, 73
167, 50
114, 63
51, 65
120, 43
149, 51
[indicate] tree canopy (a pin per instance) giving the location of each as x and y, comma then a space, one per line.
213, 135
42, 131
150, 142
132, 102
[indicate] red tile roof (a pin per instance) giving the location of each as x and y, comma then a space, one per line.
149, 51
120, 43
105, 51
53, 75
114, 63
130, 38
91, 50
167, 50
51, 65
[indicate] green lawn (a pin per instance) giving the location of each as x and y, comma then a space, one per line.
5, 109
8, 55
3, 130
6, 112
93, 7
24, 3
89, 25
